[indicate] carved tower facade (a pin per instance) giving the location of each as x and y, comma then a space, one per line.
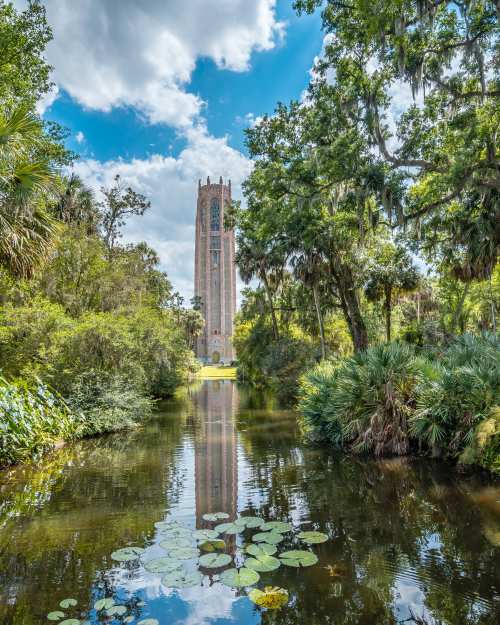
215, 273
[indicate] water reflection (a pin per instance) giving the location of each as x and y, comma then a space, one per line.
403, 534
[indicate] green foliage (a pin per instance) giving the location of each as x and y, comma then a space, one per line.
32, 420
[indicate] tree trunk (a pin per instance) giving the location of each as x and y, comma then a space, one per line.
271, 306
320, 321
344, 282
460, 305
388, 312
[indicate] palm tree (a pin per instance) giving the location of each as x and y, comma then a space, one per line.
77, 205
27, 228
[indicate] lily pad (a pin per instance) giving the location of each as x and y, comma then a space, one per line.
70, 621
271, 538
238, 578
162, 565
165, 525
229, 528
149, 621
209, 546
277, 526
181, 579
55, 616
313, 538
205, 534
215, 560
68, 603
251, 522
118, 610
127, 554
298, 558
263, 564
177, 532
269, 598
104, 604
215, 516
175, 543
263, 549
184, 553
129, 619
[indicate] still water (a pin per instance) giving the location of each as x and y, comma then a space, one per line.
403, 535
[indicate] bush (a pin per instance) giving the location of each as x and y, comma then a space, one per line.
32, 420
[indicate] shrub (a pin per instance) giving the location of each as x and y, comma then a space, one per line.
32, 420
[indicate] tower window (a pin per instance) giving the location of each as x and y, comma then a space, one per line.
215, 214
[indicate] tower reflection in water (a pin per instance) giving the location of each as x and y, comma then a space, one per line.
216, 453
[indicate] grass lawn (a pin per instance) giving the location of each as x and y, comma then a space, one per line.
217, 372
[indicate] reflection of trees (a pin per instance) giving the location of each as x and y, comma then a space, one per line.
64, 517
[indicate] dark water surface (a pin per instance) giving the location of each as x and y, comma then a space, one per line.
403, 534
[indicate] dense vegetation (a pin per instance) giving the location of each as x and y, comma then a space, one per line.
375, 232
90, 329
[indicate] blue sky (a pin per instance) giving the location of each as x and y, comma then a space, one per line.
160, 92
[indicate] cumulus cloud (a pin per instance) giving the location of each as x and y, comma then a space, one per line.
80, 137
141, 53
171, 185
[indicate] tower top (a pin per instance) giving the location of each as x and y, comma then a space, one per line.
211, 184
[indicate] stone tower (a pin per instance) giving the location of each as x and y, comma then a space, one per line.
215, 273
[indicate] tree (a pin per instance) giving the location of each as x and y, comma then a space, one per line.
77, 205
119, 203
391, 273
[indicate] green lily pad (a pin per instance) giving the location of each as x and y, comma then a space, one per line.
118, 610
263, 549
263, 564
215, 516
277, 526
104, 604
70, 621
313, 538
184, 553
175, 543
68, 603
251, 522
298, 558
127, 554
149, 621
205, 534
210, 546
182, 579
267, 537
55, 616
239, 578
165, 525
269, 598
229, 528
128, 619
215, 560
162, 565
177, 532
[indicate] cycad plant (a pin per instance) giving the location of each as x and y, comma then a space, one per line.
27, 184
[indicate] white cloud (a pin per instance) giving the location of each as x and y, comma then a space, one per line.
80, 137
172, 184
46, 101
141, 53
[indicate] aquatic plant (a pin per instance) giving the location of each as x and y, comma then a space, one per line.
271, 598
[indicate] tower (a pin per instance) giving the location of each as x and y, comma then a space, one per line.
215, 273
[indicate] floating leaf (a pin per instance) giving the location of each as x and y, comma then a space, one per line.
55, 616
175, 543
127, 554
239, 578
166, 525
215, 516
141, 604
128, 619
250, 521
184, 553
162, 565
215, 560
205, 534
277, 526
229, 528
263, 564
104, 604
118, 610
313, 538
177, 532
267, 537
270, 598
298, 558
264, 549
68, 603
70, 621
181, 579
149, 621
212, 545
